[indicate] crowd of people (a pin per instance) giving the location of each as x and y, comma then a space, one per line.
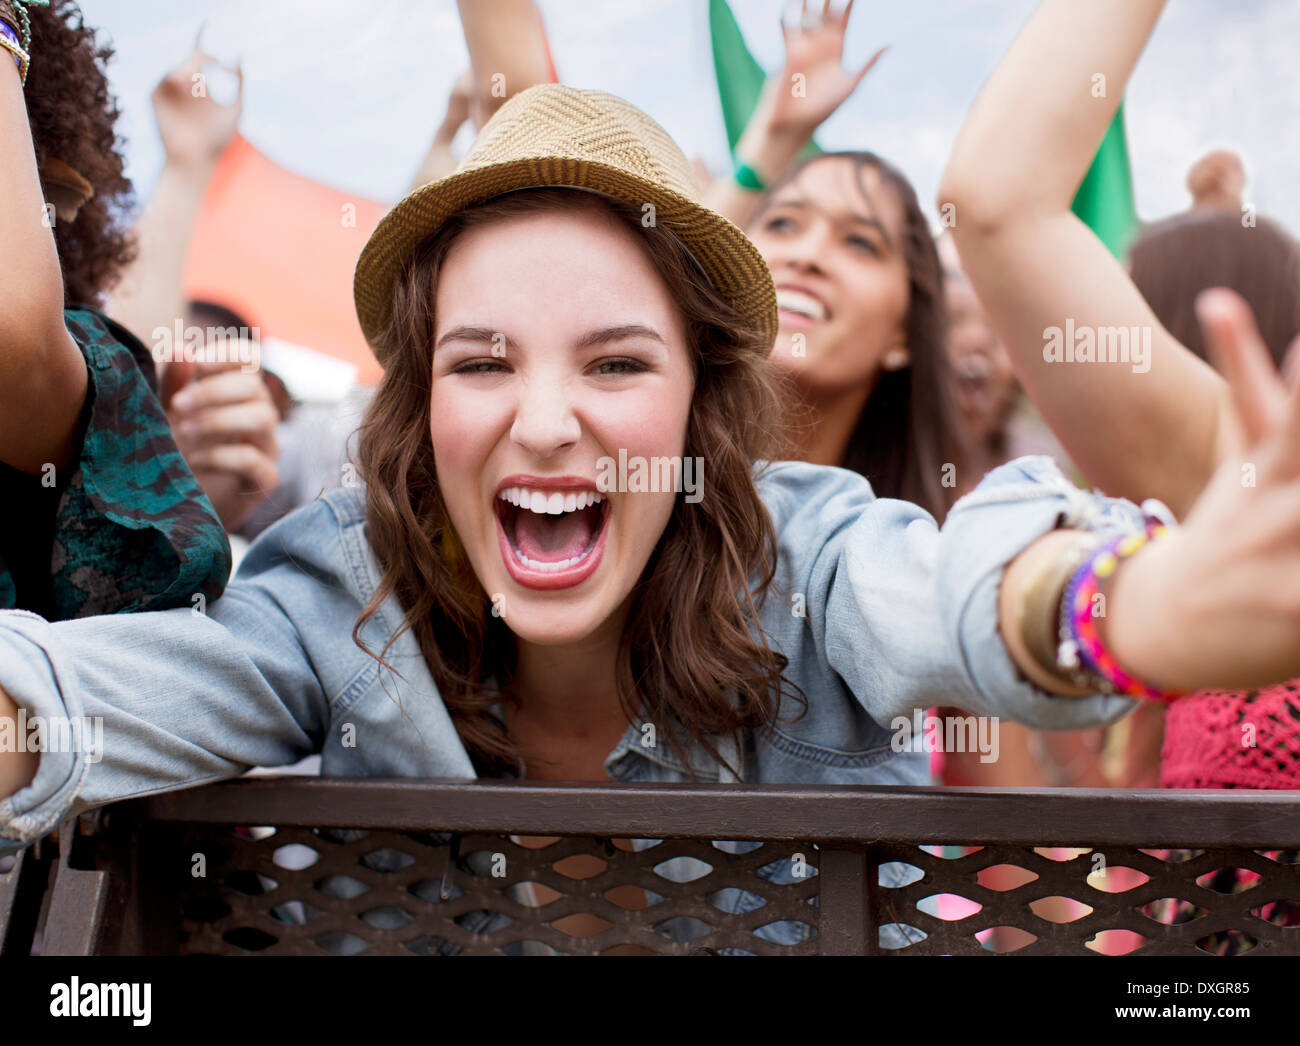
908, 504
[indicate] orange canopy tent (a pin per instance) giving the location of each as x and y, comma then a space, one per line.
280, 249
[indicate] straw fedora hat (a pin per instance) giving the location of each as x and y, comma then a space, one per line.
553, 135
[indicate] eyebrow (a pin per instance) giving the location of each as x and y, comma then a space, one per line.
798, 203
600, 336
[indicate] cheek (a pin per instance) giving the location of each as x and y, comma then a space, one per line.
877, 307
641, 424
463, 427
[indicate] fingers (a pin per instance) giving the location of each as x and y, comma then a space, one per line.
787, 31
252, 423
844, 15
1289, 453
1291, 364
788, 25
1239, 353
867, 68
257, 470
197, 56
224, 408
220, 389
175, 376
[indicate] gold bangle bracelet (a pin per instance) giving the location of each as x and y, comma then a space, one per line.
19, 53
1040, 608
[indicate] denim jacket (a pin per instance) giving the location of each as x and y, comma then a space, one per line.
879, 612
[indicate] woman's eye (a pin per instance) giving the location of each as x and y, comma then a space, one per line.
624, 366
778, 224
864, 243
478, 367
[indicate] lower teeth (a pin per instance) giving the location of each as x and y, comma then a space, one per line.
551, 567
537, 564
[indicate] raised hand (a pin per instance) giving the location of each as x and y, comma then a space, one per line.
814, 53
1217, 605
194, 128
224, 422
459, 105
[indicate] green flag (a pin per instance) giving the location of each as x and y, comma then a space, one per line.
740, 77
1104, 201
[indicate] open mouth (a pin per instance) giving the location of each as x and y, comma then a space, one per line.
551, 539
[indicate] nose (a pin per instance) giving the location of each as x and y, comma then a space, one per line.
545, 421
804, 250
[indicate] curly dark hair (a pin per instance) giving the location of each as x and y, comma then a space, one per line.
73, 117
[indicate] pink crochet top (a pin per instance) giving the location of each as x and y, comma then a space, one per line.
1234, 739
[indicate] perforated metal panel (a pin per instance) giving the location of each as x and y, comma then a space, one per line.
298, 890
1112, 900
440, 868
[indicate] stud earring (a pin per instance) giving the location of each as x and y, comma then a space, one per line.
895, 359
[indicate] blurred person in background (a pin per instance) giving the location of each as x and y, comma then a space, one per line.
1171, 264
1216, 181
1173, 260
1175, 428
101, 514
225, 420
859, 283
258, 451
998, 420
1166, 429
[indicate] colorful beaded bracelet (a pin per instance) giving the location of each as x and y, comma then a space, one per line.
1082, 652
9, 41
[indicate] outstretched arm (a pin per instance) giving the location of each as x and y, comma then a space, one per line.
1211, 606
1014, 170
43, 377
16, 768
168, 699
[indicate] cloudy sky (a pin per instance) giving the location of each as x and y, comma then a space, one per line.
350, 93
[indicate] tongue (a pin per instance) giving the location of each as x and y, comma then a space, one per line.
551, 539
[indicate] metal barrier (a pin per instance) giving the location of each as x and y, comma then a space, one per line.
328, 866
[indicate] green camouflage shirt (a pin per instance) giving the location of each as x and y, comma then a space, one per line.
128, 528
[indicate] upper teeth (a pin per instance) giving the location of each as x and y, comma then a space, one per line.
804, 304
549, 502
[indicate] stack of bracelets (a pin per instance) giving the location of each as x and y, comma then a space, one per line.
1081, 655
13, 22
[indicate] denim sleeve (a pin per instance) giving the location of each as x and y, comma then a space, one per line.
181, 697
906, 613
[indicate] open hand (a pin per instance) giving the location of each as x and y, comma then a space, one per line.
1217, 605
814, 51
194, 128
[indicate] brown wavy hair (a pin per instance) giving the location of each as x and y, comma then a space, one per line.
73, 117
688, 642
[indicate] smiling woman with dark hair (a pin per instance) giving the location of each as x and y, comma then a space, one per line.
559, 302
859, 283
